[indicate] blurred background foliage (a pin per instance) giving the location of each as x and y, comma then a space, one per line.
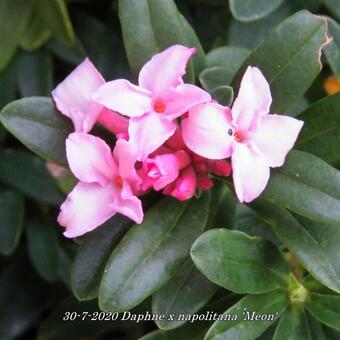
41, 41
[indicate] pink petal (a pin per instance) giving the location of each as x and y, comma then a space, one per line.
128, 205
90, 158
205, 131
275, 136
73, 96
253, 100
149, 132
86, 207
113, 122
182, 98
122, 96
165, 70
175, 142
250, 172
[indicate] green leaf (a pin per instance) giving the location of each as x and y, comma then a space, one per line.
240, 263
27, 173
35, 73
333, 6
321, 132
74, 55
152, 252
230, 57
150, 26
250, 10
290, 58
14, 15
315, 328
214, 77
57, 20
307, 186
326, 308
315, 245
332, 50
92, 255
43, 249
223, 94
11, 220
186, 293
246, 326
8, 79
293, 325
28, 118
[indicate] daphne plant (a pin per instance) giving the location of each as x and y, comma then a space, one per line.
190, 197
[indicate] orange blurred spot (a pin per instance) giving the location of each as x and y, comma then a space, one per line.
159, 107
332, 85
119, 181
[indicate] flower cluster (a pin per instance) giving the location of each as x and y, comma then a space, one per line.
170, 137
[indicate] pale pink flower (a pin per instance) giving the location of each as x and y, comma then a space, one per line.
73, 98
255, 139
160, 98
105, 187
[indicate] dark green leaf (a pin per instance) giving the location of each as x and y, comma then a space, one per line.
224, 95
333, 6
214, 77
57, 20
11, 220
43, 249
186, 293
27, 173
315, 328
35, 73
36, 123
8, 79
230, 57
332, 51
307, 186
270, 304
290, 58
92, 255
152, 252
238, 262
321, 132
326, 308
74, 55
293, 325
14, 15
149, 26
315, 245
250, 10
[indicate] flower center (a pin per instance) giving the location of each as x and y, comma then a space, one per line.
239, 136
159, 107
118, 181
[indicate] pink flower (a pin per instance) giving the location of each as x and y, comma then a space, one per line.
105, 185
254, 139
73, 98
160, 98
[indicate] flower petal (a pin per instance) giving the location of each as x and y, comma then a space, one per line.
275, 136
253, 100
113, 121
165, 70
73, 96
90, 158
148, 132
122, 96
86, 207
205, 131
183, 98
250, 172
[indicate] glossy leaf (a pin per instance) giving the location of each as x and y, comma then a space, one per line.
92, 255
28, 174
11, 220
307, 186
239, 263
332, 51
326, 308
321, 132
186, 293
43, 249
333, 6
250, 10
293, 325
290, 58
307, 241
270, 304
57, 20
14, 15
29, 118
8, 80
214, 77
35, 73
149, 26
223, 94
151, 252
